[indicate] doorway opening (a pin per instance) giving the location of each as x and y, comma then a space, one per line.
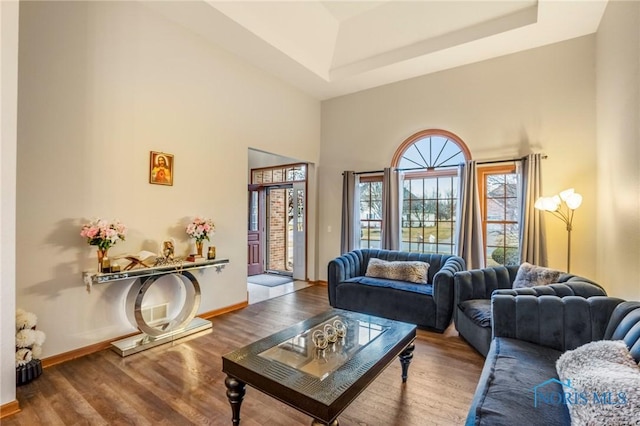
276, 234
279, 232
277, 221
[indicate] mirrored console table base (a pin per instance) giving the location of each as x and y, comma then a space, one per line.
141, 342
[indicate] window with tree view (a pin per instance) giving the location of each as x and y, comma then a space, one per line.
500, 212
370, 212
429, 160
428, 214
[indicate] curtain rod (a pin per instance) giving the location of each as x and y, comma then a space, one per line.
508, 160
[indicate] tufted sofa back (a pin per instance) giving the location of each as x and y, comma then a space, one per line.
481, 283
361, 259
564, 323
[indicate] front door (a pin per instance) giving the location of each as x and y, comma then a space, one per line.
254, 240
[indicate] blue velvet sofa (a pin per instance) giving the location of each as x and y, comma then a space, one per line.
428, 305
472, 298
531, 332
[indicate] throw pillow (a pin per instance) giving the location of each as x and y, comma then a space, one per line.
531, 275
604, 384
412, 271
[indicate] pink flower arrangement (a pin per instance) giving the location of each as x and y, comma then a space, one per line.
102, 233
200, 228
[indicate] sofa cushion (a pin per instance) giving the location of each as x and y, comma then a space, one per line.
531, 275
477, 310
515, 372
606, 380
411, 271
398, 285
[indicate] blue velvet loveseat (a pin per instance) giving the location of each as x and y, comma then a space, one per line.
520, 383
428, 305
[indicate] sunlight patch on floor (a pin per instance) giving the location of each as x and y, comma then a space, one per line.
258, 293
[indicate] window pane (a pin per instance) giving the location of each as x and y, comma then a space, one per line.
445, 249
489, 257
495, 209
430, 188
444, 188
444, 209
512, 235
376, 190
495, 234
513, 208
376, 210
417, 190
495, 186
445, 234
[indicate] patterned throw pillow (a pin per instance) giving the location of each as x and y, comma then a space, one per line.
530, 276
412, 271
602, 382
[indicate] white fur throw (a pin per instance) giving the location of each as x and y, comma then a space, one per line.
412, 271
530, 275
605, 384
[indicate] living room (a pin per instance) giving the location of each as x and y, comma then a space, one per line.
90, 88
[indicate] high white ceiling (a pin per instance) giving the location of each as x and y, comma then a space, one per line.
333, 48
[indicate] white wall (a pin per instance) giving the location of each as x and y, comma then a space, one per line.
9, 11
542, 100
618, 107
102, 84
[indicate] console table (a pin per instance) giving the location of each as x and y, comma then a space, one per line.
184, 324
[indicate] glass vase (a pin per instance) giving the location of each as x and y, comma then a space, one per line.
102, 255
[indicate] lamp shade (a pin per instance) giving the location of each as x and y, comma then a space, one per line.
550, 204
564, 195
574, 201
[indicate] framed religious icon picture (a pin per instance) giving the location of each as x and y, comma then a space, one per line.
161, 168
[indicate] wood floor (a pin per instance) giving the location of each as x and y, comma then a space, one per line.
182, 383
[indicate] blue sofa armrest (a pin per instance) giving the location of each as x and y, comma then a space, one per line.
560, 323
443, 290
480, 283
342, 268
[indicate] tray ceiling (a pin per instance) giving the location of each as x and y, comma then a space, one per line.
333, 48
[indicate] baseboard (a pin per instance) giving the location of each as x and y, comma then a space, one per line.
9, 409
97, 347
318, 282
226, 309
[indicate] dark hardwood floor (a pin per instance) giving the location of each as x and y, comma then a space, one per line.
182, 383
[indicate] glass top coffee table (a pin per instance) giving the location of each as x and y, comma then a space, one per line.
320, 365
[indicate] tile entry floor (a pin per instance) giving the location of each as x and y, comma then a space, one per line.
258, 293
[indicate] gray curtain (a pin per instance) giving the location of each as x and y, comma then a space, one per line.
533, 248
350, 233
390, 238
469, 242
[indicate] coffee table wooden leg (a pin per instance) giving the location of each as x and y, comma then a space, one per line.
235, 393
405, 359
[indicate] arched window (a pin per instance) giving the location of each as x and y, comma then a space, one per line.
429, 161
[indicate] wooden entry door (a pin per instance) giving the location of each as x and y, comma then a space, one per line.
255, 261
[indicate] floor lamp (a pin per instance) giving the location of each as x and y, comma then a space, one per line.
563, 207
